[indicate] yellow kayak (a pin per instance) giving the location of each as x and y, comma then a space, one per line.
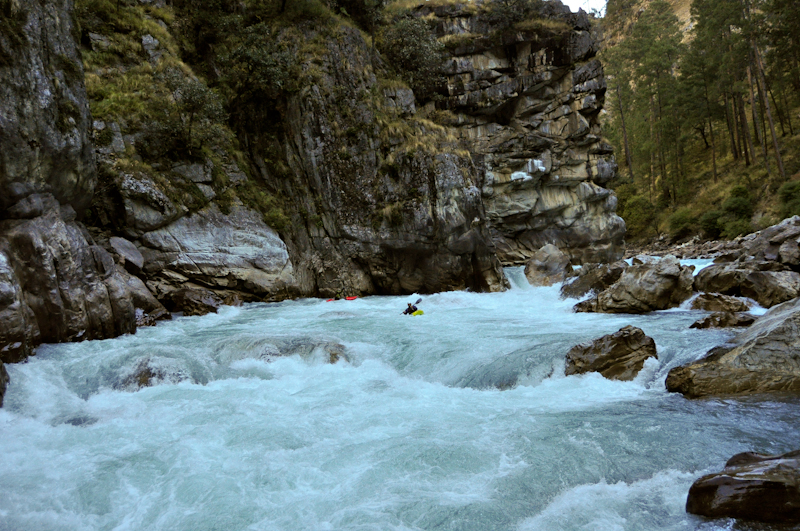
418, 312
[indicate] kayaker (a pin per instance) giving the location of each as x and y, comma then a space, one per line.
411, 309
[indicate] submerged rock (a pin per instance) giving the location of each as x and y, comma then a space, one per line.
763, 488
765, 357
617, 356
645, 288
547, 266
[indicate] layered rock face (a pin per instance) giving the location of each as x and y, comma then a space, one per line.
55, 283
383, 201
527, 102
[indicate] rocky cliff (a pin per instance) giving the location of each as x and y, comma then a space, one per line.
347, 184
528, 101
55, 284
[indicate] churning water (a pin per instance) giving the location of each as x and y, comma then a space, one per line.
460, 419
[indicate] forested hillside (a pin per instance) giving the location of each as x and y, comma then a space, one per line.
704, 114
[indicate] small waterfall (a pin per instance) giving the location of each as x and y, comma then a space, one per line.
516, 277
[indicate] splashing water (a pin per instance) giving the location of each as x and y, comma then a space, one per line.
458, 419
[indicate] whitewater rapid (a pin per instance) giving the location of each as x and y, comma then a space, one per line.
458, 419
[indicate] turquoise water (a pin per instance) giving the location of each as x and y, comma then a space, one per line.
249, 427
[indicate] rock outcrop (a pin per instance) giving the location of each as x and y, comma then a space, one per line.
592, 278
644, 288
752, 486
724, 320
768, 283
715, 302
527, 101
617, 356
547, 266
765, 357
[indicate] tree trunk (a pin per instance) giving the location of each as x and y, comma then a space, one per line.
763, 82
711, 130
748, 140
628, 161
731, 129
788, 112
754, 111
778, 111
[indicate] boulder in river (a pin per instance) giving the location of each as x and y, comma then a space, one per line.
194, 300
617, 356
765, 357
716, 302
724, 320
547, 266
645, 288
768, 283
592, 277
763, 488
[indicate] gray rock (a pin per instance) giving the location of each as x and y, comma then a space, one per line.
617, 356
715, 302
592, 278
547, 266
648, 287
45, 143
754, 487
194, 301
235, 251
130, 257
763, 358
724, 319
756, 280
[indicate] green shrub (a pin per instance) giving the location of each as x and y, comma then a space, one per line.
410, 45
789, 196
639, 215
709, 223
737, 207
507, 13
737, 227
681, 223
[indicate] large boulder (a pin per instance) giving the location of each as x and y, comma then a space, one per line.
778, 243
768, 283
235, 251
57, 286
765, 357
757, 487
194, 300
724, 320
645, 288
617, 356
548, 266
715, 302
592, 278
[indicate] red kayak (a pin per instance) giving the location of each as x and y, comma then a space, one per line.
346, 298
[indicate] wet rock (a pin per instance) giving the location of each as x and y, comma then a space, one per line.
153, 371
617, 356
194, 301
547, 266
763, 358
715, 302
777, 243
646, 287
752, 486
765, 282
724, 320
592, 278
4, 379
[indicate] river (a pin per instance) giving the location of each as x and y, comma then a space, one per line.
459, 419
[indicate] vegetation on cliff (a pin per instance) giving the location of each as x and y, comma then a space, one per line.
702, 121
